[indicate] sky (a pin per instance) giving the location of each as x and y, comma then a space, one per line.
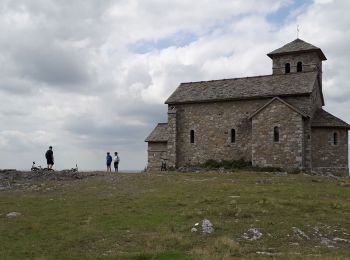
90, 76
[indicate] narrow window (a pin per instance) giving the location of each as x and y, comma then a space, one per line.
233, 135
192, 136
299, 66
276, 134
287, 68
335, 138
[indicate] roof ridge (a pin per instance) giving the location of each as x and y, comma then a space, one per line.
244, 88
249, 77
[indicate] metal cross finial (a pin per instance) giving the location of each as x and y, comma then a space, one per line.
298, 31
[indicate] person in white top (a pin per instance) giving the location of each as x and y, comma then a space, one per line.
116, 161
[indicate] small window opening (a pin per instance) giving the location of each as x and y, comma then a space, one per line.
276, 134
287, 68
192, 136
299, 66
233, 135
335, 138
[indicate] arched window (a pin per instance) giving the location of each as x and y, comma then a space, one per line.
299, 66
335, 138
233, 135
276, 134
287, 68
192, 136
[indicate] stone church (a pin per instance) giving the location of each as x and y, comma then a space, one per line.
273, 120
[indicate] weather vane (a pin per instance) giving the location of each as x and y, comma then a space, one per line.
298, 31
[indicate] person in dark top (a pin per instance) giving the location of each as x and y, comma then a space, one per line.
116, 161
109, 160
49, 158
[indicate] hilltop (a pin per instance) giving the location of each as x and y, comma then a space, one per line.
150, 216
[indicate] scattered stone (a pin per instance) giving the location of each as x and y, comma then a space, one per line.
221, 170
280, 173
7, 170
191, 169
338, 239
207, 227
14, 180
13, 214
327, 242
193, 230
252, 234
267, 253
300, 234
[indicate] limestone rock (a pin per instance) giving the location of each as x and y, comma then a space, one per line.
252, 234
13, 214
300, 234
207, 227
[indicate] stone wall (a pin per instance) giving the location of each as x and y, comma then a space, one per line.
316, 100
315, 103
212, 124
156, 151
304, 104
326, 156
308, 105
288, 152
172, 137
307, 137
310, 61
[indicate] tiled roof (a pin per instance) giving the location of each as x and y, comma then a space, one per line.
159, 133
244, 88
324, 119
297, 46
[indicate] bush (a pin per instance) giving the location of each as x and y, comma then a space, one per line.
265, 169
226, 164
211, 164
237, 165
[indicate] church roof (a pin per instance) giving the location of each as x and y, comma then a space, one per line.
295, 47
290, 84
159, 134
324, 119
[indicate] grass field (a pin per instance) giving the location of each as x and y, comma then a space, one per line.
150, 216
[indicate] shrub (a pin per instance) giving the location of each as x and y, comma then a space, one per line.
226, 164
211, 164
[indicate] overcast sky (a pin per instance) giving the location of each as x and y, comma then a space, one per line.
89, 76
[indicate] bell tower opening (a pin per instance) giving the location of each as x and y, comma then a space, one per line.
299, 66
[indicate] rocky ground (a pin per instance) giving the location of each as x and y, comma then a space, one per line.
13, 179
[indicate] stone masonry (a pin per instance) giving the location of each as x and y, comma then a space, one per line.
287, 152
328, 157
234, 119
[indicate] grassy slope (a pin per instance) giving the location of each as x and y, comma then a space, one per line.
142, 216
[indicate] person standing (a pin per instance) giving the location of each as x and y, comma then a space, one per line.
49, 158
162, 165
116, 161
109, 162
